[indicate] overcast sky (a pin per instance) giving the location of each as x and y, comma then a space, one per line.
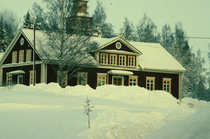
194, 14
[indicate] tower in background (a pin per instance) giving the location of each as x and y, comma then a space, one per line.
79, 22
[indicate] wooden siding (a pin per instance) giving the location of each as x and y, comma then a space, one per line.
17, 47
123, 48
27, 70
92, 79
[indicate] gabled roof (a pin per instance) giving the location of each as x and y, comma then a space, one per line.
104, 42
155, 57
151, 56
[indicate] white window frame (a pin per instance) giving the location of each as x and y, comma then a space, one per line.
104, 58
122, 60
21, 56
81, 75
133, 80
31, 77
9, 79
122, 77
131, 61
18, 79
101, 79
14, 57
150, 83
28, 55
113, 59
167, 84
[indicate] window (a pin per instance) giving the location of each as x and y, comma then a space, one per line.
20, 79
21, 56
118, 80
133, 80
131, 60
122, 60
104, 58
28, 55
14, 57
31, 77
167, 84
150, 83
113, 59
101, 79
82, 78
62, 78
9, 79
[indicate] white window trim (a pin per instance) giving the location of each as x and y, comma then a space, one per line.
118, 77
27, 55
151, 78
32, 81
86, 77
110, 59
132, 77
21, 56
14, 55
124, 60
101, 58
134, 61
167, 79
101, 75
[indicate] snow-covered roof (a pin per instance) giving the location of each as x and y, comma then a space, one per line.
1, 55
155, 57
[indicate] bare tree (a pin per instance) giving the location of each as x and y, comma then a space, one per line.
67, 52
88, 108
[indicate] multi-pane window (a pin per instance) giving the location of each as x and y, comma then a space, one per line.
122, 60
150, 83
133, 80
131, 60
82, 78
101, 79
14, 57
28, 55
9, 79
31, 77
113, 59
21, 56
167, 84
104, 58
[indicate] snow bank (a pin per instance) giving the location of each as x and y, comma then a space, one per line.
119, 112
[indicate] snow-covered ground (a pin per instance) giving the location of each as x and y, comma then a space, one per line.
50, 112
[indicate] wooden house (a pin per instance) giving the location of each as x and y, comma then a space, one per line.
117, 61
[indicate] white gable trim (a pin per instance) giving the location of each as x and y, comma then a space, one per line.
11, 45
122, 41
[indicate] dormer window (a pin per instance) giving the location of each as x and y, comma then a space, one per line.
14, 57
21, 56
104, 58
122, 60
131, 60
113, 59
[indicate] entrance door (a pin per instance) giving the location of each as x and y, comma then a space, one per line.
118, 81
20, 79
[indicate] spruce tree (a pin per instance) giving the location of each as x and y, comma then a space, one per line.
147, 30
3, 40
28, 21
100, 27
128, 30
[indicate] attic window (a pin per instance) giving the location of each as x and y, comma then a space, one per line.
21, 41
118, 45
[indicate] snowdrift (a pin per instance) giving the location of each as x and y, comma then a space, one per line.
48, 111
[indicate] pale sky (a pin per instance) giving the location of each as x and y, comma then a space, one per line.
194, 14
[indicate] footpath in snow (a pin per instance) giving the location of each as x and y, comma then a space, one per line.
195, 126
47, 111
